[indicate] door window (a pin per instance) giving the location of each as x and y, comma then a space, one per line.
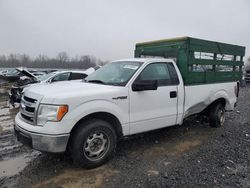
173, 74
61, 77
77, 76
161, 73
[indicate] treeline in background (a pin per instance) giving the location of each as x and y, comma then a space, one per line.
62, 60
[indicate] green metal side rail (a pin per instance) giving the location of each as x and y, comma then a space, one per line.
200, 61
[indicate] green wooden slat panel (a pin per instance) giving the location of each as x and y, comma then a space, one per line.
215, 62
198, 45
181, 48
182, 63
211, 77
158, 51
195, 78
176, 41
216, 47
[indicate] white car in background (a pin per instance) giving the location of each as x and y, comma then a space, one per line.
65, 76
53, 77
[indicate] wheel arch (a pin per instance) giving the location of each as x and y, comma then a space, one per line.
105, 116
221, 100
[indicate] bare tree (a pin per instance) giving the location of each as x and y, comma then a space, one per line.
62, 60
63, 57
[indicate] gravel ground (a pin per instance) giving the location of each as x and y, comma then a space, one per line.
191, 155
224, 161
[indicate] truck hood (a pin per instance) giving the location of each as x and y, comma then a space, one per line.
64, 91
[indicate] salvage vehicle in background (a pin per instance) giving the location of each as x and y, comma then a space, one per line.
38, 74
247, 72
131, 96
12, 75
37, 78
4, 71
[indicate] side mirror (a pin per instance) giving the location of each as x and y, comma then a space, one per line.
145, 85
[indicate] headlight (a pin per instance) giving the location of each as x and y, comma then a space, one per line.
50, 113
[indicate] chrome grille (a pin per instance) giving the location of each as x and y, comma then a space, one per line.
29, 99
27, 109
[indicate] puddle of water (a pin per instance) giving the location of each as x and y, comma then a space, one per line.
79, 178
8, 148
7, 119
4, 112
171, 149
3, 104
13, 166
13, 111
186, 145
5, 143
3, 91
7, 125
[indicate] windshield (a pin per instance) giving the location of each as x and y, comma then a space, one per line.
115, 73
46, 76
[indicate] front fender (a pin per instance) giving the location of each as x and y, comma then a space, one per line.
94, 106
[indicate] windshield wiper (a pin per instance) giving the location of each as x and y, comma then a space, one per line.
95, 81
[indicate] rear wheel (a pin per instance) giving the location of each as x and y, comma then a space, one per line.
93, 143
217, 115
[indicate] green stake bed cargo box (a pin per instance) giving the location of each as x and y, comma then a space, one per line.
200, 61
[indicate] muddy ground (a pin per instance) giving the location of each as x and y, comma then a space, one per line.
191, 155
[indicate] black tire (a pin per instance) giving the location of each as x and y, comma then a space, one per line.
217, 115
93, 144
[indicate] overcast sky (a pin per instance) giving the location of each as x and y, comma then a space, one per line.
109, 29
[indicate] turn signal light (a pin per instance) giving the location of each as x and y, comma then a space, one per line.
61, 112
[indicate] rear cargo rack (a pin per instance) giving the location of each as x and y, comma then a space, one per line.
200, 61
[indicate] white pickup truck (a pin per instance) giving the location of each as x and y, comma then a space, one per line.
123, 98
120, 99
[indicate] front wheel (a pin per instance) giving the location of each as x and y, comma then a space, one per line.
93, 143
217, 115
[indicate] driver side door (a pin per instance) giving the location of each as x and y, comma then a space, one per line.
153, 109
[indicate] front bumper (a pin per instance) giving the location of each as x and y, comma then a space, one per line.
42, 142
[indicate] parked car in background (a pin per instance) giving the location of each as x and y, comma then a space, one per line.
12, 75
247, 73
37, 78
38, 74
4, 72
